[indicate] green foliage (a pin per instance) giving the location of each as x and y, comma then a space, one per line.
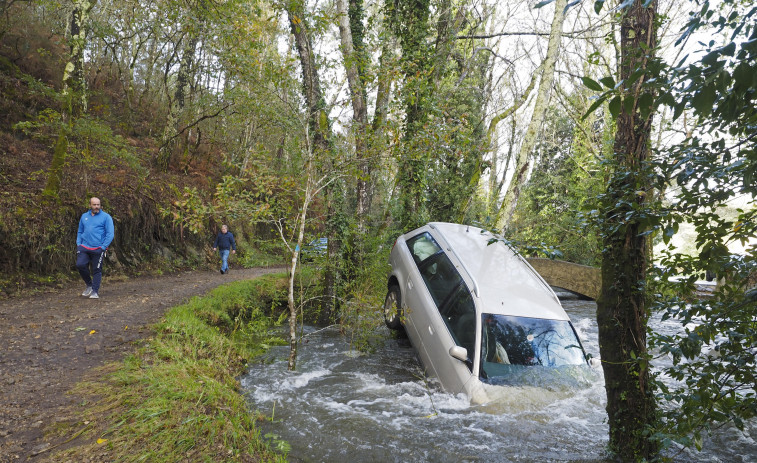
557, 204
361, 316
246, 198
712, 360
189, 210
261, 253
87, 135
46, 127
440, 155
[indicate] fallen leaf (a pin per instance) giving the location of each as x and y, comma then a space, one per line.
92, 332
101, 440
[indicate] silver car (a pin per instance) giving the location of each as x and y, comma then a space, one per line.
476, 312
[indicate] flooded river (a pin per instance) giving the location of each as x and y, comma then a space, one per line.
345, 406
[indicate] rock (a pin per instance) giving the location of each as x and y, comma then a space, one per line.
40, 448
92, 348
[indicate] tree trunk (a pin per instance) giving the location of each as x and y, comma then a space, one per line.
52, 187
292, 362
379, 142
353, 59
74, 92
494, 186
410, 21
320, 126
621, 310
74, 80
184, 75
523, 159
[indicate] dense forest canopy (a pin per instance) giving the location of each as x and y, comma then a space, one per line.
357, 120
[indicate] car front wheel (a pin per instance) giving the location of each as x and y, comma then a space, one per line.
392, 308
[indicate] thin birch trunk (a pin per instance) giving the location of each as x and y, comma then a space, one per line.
320, 126
523, 159
292, 362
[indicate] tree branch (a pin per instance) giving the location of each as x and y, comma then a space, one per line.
202, 118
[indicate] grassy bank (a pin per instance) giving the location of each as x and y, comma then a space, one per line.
177, 398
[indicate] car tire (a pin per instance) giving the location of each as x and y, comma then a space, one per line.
393, 308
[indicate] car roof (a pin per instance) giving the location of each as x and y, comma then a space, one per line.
504, 282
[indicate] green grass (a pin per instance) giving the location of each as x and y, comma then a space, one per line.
178, 398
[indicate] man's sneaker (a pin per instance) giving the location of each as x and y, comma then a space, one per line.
87, 291
94, 296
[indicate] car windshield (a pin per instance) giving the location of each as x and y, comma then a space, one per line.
509, 340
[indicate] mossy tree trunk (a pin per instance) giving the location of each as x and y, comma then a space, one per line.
56, 167
74, 92
175, 138
410, 22
621, 308
351, 31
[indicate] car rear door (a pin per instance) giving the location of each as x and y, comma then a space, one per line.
417, 299
440, 288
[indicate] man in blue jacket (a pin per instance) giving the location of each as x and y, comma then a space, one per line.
94, 236
224, 243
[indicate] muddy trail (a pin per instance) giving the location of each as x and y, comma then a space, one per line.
51, 341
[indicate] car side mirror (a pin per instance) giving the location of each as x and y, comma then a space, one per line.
459, 352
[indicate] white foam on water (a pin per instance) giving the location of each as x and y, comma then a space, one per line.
343, 405
586, 330
369, 381
302, 380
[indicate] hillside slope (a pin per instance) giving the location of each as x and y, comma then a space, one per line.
38, 232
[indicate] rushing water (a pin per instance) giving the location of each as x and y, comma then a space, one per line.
345, 406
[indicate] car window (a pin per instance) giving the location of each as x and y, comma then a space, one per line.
422, 247
437, 271
509, 340
459, 313
444, 283
440, 276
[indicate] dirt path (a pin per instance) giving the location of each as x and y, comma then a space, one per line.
48, 342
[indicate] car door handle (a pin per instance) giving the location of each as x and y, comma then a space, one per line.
409, 284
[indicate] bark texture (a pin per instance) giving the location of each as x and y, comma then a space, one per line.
621, 310
410, 21
311, 85
320, 127
523, 160
351, 20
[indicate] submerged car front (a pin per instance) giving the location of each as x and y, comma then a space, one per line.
474, 310
520, 321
